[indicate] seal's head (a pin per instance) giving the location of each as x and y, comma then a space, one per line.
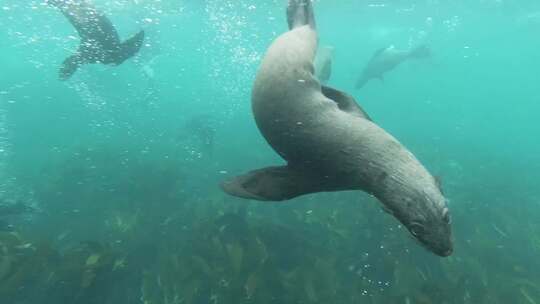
426, 216
431, 226
433, 232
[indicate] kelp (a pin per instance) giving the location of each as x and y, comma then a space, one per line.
160, 242
239, 257
87, 273
233, 261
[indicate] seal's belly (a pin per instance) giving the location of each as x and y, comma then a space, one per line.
300, 134
332, 142
287, 117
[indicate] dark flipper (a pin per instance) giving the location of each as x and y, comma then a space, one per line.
129, 47
70, 66
361, 82
345, 102
299, 13
276, 184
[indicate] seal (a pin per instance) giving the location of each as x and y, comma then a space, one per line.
387, 59
17, 208
9, 209
202, 128
330, 143
100, 42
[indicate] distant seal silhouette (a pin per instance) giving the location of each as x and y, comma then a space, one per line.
8, 209
100, 42
386, 59
330, 144
323, 63
202, 127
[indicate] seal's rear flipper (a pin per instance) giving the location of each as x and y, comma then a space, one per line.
130, 47
273, 184
70, 66
299, 13
344, 101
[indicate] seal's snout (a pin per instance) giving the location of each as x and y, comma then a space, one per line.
444, 250
447, 253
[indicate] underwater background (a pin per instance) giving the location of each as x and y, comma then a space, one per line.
121, 182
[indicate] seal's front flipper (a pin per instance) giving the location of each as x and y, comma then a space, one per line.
344, 101
299, 13
129, 47
273, 184
70, 66
361, 82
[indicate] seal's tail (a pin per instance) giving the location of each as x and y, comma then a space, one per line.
300, 13
130, 47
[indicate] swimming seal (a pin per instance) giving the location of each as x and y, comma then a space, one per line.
202, 128
387, 59
100, 42
330, 144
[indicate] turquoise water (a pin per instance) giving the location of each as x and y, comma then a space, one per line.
126, 204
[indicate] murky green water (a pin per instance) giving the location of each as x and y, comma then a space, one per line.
119, 167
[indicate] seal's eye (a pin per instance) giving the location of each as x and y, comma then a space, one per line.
416, 229
446, 216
